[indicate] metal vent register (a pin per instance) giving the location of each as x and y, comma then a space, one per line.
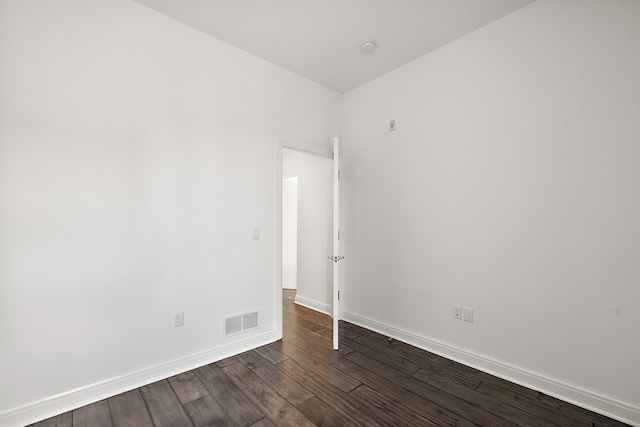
240, 323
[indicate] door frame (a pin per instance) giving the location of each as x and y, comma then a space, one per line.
308, 148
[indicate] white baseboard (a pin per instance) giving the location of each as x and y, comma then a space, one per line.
313, 305
597, 402
72, 399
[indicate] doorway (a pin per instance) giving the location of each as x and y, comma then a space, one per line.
307, 199
289, 228
306, 170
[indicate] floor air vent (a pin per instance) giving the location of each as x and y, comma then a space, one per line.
240, 323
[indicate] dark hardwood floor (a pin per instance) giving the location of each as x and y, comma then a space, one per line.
301, 381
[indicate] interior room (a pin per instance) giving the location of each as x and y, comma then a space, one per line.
489, 187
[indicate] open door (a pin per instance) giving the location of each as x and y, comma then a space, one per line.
336, 241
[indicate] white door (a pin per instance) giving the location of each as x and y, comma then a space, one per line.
336, 241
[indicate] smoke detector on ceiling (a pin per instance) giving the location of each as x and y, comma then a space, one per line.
367, 46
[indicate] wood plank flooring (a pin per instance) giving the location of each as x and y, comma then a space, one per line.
301, 381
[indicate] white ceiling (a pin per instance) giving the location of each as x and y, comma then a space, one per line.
320, 39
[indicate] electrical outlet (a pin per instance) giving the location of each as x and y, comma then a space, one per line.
457, 312
468, 314
178, 319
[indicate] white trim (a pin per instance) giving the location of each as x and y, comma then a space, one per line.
81, 396
594, 401
306, 147
313, 304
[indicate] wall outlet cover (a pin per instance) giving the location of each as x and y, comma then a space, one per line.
457, 312
178, 319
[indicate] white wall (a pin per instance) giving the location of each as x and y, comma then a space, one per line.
290, 233
136, 157
511, 186
315, 207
